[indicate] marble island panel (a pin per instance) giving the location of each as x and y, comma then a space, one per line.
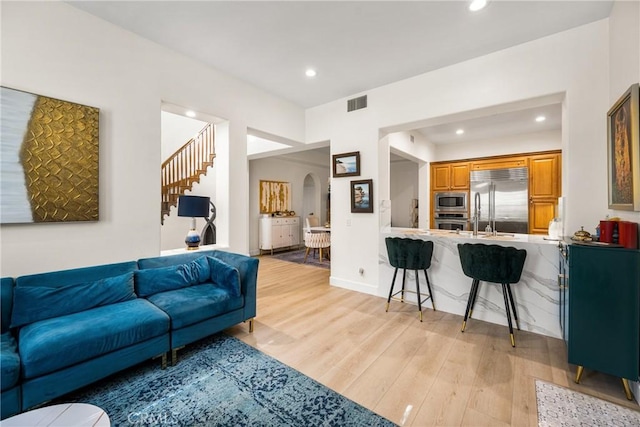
536, 295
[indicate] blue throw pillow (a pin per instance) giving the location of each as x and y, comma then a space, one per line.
225, 276
34, 303
150, 281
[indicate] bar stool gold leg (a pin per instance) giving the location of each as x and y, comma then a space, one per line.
579, 374
627, 389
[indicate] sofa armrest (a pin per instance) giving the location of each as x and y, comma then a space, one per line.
248, 269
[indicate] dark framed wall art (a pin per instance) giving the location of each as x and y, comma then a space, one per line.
346, 164
50, 148
623, 148
362, 196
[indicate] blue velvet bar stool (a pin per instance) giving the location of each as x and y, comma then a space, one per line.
410, 254
494, 264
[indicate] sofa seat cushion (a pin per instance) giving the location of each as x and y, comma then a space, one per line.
191, 305
9, 362
53, 344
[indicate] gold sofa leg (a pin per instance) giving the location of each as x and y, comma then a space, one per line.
174, 355
163, 360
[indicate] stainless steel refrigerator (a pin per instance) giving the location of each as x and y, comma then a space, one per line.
503, 198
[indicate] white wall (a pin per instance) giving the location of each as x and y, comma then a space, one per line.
624, 63
53, 49
573, 63
293, 169
175, 131
514, 144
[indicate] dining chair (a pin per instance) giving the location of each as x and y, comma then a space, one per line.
320, 241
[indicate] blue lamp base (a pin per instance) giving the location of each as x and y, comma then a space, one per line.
193, 238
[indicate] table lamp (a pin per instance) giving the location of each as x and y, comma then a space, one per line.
195, 207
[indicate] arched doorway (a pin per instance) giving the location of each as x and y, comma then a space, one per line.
312, 200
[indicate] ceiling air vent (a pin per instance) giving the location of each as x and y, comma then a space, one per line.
357, 103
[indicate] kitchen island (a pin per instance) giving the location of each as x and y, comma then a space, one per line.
536, 295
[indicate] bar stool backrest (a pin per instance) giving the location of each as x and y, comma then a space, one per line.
412, 254
492, 263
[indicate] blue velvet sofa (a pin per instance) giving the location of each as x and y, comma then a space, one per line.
64, 330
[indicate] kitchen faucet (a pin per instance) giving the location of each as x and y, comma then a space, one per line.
476, 213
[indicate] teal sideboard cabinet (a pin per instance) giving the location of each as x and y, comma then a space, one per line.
603, 310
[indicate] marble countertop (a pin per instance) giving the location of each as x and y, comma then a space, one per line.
480, 238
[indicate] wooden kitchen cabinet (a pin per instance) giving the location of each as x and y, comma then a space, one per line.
544, 171
541, 212
499, 163
450, 176
544, 190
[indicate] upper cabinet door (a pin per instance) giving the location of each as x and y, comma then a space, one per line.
544, 175
440, 175
460, 176
450, 176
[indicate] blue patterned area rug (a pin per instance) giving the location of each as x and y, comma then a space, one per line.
222, 381
559, 406
297, 256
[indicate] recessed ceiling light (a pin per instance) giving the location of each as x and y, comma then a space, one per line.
541, 119
477, 5
459, 131
310, 72
190, 113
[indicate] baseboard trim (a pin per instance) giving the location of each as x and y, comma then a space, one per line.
354, 286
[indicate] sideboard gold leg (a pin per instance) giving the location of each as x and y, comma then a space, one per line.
627, 389
579, 374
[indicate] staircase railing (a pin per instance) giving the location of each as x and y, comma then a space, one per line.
185, 166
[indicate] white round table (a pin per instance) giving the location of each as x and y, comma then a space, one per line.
62, 415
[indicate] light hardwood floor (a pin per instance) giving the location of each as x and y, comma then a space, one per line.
414, 374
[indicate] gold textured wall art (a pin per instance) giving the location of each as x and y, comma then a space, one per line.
275, 196
49, 169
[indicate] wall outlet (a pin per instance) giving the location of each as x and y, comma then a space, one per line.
361, 271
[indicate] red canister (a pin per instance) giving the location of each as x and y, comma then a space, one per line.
628, 234
606, 231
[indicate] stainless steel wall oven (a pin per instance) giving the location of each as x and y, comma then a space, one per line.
451, 221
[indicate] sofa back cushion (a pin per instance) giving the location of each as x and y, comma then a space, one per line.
165, 261
34, 303
150, 281
57, 279
6, 298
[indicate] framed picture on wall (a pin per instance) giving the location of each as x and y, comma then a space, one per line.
346, 164
362, 196
50, 159
623, 148
275, 196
